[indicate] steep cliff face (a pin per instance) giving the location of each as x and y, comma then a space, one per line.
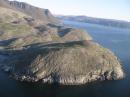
35, 12
41, 14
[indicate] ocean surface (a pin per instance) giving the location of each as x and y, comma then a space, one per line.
116, 39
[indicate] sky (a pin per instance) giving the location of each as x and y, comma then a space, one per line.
110, 9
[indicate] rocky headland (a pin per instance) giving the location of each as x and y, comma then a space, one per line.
35, 47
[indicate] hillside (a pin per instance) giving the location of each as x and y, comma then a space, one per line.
35, 12
65, 63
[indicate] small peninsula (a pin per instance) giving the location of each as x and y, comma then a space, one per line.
36, 47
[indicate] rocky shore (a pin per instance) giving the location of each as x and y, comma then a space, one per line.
70, 63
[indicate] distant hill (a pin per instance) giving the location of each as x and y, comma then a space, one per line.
100, 21
35, 12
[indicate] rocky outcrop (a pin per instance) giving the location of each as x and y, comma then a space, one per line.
70, 34
65, 63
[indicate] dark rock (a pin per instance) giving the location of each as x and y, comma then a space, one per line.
66, 63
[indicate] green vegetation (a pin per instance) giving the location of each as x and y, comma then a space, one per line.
13, 29
55, 37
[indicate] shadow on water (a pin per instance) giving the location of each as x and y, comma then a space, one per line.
12, 88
